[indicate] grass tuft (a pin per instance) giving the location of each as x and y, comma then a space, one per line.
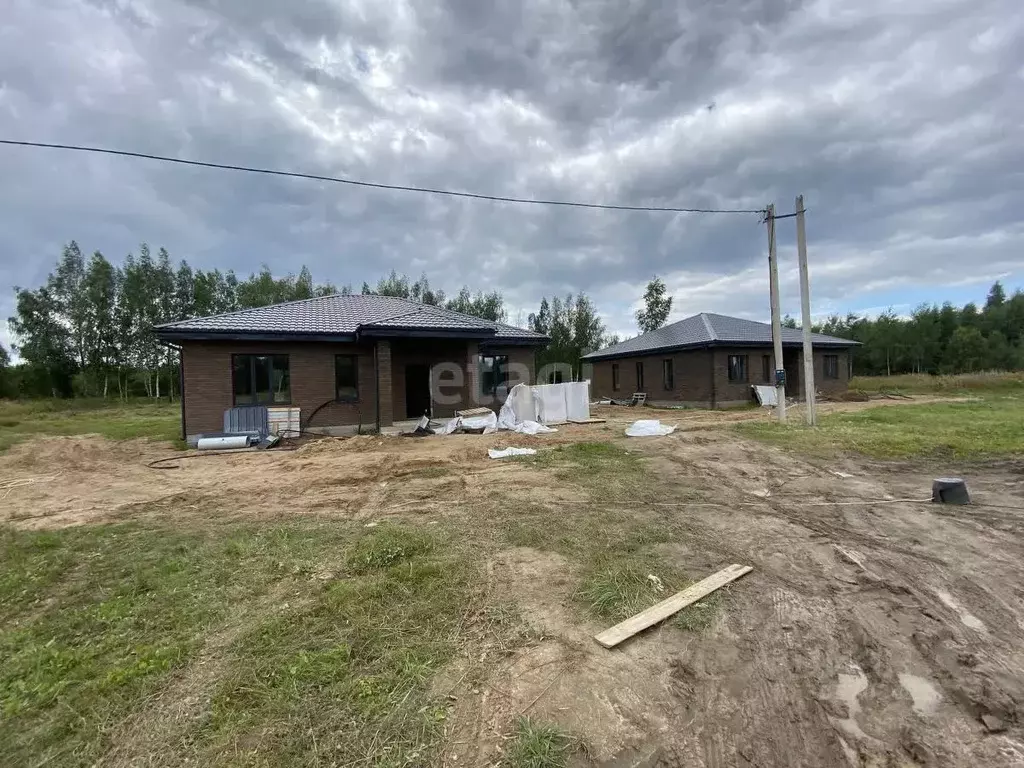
388, 546
620, 590
539, 745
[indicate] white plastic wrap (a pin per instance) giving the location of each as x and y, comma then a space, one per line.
494, 453
649, 428
487, 422
577, 400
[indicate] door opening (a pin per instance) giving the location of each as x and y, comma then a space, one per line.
417, 390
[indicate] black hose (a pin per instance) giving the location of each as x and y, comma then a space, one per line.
157, 463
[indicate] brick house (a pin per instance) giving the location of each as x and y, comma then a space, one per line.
711, 361
346, 362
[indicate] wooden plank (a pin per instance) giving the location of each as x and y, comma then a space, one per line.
661, 611
473, 412
588, 421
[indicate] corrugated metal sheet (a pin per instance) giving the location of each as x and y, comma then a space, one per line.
247, 418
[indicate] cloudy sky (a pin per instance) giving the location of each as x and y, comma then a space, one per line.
900, 122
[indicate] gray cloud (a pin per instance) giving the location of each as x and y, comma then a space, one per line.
899, 122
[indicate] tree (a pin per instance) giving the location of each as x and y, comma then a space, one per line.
101, 299
966, 351
43, 343
657, 306
789, 321
65, 286
6, 390
489, 306
574, 328
996, 296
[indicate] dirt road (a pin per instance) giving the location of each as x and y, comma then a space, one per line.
872, 631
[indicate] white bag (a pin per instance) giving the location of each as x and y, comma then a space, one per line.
649, 428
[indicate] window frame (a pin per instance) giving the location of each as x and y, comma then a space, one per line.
767, 371
743, 363
253, 356
825, 359
355, 368
668, 375
615, 377
496, 367
640, 376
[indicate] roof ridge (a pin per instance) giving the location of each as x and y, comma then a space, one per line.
255, 309
707, 325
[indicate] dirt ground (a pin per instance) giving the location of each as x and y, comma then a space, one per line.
873, 631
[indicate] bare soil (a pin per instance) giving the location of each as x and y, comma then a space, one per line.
873, 631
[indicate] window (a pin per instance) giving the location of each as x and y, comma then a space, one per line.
615, 376
737, 367
261, 379
639, 377
346, 378
493, 373
831, 366
766, 369
667, 379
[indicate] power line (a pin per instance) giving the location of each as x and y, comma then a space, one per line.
373, 184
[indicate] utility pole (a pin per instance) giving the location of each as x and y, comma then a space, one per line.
805, 310
773, 274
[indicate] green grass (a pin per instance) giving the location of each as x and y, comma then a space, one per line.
958, 384
330, 637
619, 590
539, 745
589, 463
990, 426
20, 420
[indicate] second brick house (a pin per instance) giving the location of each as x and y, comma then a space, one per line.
711, 361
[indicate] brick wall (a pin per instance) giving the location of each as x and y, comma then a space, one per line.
701, 377
208, 382
208, 379
691, 374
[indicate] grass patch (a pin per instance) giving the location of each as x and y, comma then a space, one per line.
923, 383
959, 430
97, 622
20, 420
595, 464
620, 590
539, 745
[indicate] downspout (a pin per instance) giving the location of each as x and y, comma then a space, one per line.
376, 382
714, 393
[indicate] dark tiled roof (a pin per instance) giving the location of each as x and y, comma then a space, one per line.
344, 316
707, 328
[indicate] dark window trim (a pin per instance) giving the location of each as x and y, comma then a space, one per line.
824, 366
615, 377
766, 369
272, 403
337, 399
502, 368
746, 369
668, 375
640, 386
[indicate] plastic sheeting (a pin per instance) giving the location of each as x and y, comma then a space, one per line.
649, 428
766, 396
494, 453
487, 422
546, 404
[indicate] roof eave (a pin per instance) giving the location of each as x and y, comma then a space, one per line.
595, 356
171, 334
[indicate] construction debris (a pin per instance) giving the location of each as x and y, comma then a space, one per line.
494, 453
649, 428
661, 611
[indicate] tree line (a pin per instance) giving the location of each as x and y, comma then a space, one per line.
936, 339
88, 329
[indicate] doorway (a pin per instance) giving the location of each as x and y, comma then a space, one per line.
417, 390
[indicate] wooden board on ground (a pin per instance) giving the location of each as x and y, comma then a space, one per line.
661, 611
473, 412
587, 421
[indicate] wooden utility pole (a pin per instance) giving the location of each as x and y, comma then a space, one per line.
805, 311
773, 275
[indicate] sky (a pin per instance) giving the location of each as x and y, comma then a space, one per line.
899, 122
